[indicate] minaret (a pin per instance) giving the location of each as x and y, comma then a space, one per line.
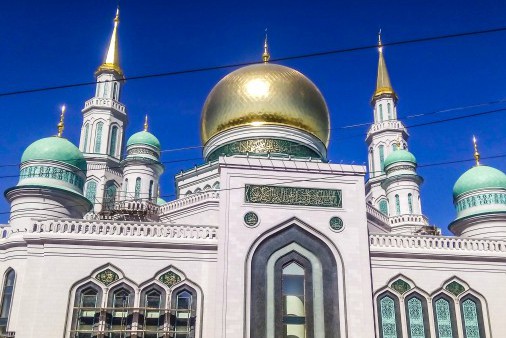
102, 133
384, 134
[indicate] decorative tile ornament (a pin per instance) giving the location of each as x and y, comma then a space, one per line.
269, 194
455, 288
170, 278
401, 286
107, 277
251, 219
336, 223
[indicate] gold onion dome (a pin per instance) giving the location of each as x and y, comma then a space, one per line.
265, 94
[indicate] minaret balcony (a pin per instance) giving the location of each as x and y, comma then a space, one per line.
99, 102
408, 219
386, 125
131, 210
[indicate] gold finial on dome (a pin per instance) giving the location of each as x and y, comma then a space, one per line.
266, 56
60, 125
146, 123
476, 153
383, 85
111, 61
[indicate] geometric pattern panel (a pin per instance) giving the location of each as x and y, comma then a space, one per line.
471, 323
388, 317
415, 315
443, 318
455, 288
170, 278
107, 277
401, 286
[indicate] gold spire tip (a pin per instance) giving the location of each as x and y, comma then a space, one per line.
116, 18
266, 56
60, 125
146, 123
380, 44
476, 153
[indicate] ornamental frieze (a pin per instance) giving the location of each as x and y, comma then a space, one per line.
269, 194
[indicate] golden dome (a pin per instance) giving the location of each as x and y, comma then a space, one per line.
265, 94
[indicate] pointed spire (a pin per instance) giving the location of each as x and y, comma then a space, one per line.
266, 56
146, 123
60, 125
476, 153
383, 85
111, 61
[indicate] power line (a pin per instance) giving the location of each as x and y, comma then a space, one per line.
242, 64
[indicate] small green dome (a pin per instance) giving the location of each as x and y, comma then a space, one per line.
400, 155
144, 137
55, 148
160, 201
479, 177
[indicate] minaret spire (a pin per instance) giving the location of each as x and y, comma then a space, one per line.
60, 125
383, 85
266, 56
111, 61
146, 123
476, 153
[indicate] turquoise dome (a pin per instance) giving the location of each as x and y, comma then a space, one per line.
479, 177
160, 201
144, 137
400, 155
55, 148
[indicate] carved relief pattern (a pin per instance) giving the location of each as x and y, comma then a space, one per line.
293, 196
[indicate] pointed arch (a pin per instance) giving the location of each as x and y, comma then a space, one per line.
8, 285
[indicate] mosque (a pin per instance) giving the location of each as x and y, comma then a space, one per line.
266, 239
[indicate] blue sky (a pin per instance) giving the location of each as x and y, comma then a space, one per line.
45, 43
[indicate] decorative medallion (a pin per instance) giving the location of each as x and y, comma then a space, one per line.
336, 223
401, 286
107, 277
455, 288
272, 194
251, 219
170, 278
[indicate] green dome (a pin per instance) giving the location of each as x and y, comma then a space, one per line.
160, 201
479, 177
55, 148
400, 155
144, 137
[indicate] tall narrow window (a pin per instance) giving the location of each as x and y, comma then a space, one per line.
112, 144
125, 190
184, 305
371, 156
5, 308
115, 90
119, 314
382, 157
381, 112
137, 188
294, 313
152, 317
109, 195
410, 203
444, 318
91, 191
107, 89
98, 137
85, 143
394, 147
150, 190
397, 205
472, 318
388, 317
417, 317
389, 109
86, 313
383, 206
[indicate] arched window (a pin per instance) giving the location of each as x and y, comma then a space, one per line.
397, 205
115, 90
7, 293
394, 147
98, 137
383, 206
112, 143
382, 157
388, 316
389, 109
85, 141
444, 317
152, 315
137, 188
86, 314
107, 89
410, 203
472, 318
109, 195
417, 319
371, 156
150, 190
125, 190
184, 303
119, 313
381, 112
91, 191
216, 186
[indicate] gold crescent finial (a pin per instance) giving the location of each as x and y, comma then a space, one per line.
266, 56
476, 153
146, 123
60, 125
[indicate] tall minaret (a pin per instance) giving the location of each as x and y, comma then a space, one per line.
102, 133
384, 134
